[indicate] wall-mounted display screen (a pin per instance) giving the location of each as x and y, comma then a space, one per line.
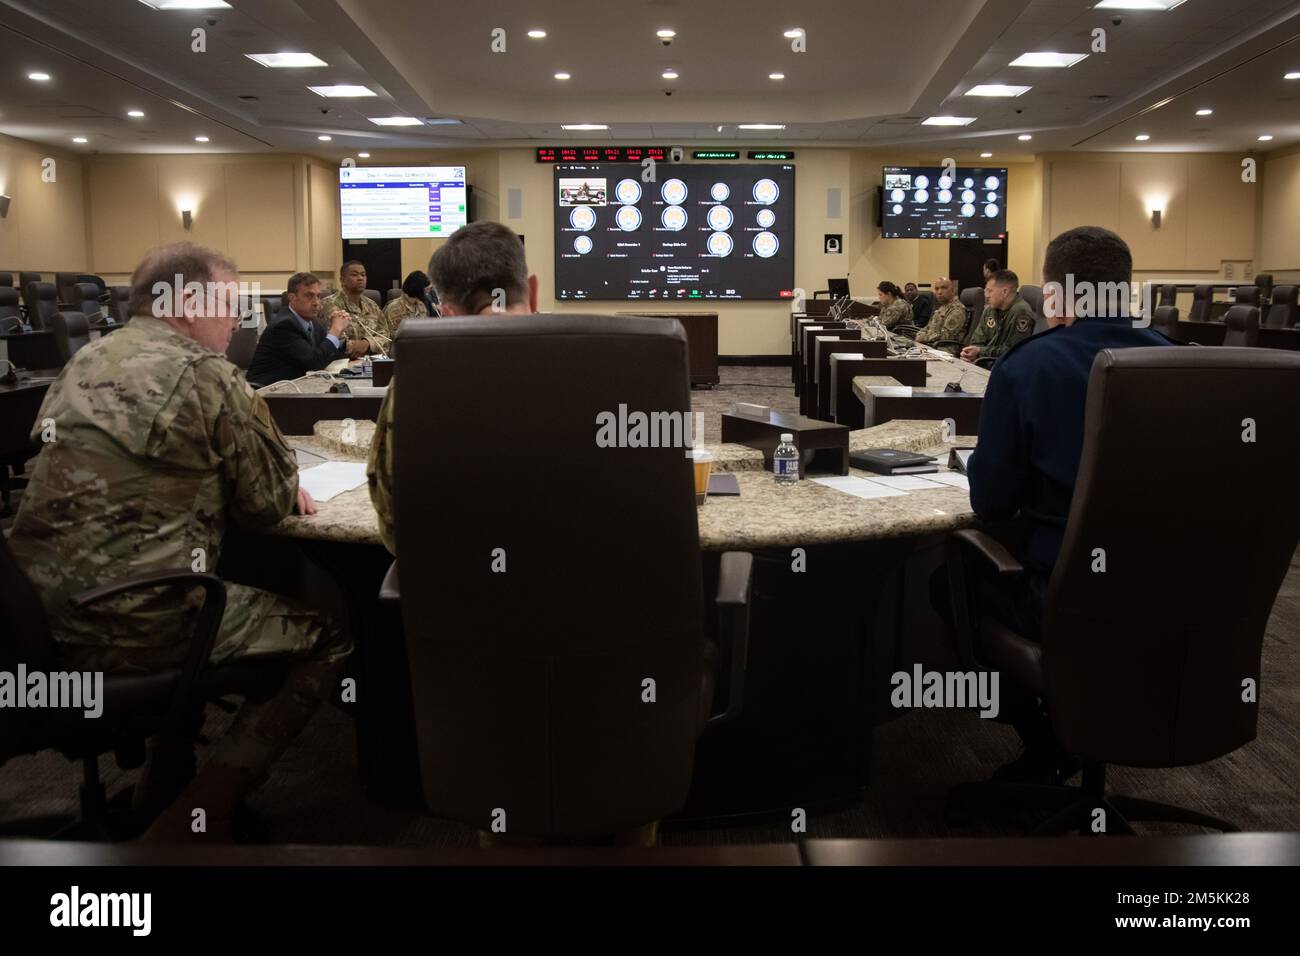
936, 202
699, 231
402, 202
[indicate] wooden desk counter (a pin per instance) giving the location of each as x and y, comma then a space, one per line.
764, 515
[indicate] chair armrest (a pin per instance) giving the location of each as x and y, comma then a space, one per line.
389, 592
735, 575
972, 540
205, 627
960, 547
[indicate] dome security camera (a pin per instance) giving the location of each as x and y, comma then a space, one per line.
666, 41
668, 92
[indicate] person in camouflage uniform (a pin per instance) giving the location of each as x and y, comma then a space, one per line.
158, 442
369, 332
946, 329
410, 304
466, 272
1007, 320
895, 311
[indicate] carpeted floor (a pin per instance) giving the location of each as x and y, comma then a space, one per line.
314, 797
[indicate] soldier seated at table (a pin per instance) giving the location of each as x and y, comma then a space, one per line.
160, 444
410, 304
946, 329
369, 332
1007, 321
895, 311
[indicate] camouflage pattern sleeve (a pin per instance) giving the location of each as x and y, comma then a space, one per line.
261, 468
897, 312
946, 328
379, 471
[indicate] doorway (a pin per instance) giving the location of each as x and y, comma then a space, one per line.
966, 260
382, 259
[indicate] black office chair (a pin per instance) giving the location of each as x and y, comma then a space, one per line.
85, 299
1202, 296
1243, 326
63, 283
374, 296
1283, 311
1165, 321
6, 280
1246, 295
1134, 669
97, 281
119, 300
42, 302
973, 300
1264, 282
271, 306
242, 346
71, 334
136, 705
1033, 295
11, 315
391, 294
1168, 295
528, 685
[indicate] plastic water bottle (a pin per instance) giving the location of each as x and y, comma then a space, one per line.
785, 461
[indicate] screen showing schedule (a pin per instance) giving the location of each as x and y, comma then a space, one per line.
402, 202
694, 231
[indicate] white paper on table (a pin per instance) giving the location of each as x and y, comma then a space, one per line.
954, 478
903, 482
326, 481
858, 487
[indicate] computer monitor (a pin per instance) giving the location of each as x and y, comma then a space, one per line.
838, 288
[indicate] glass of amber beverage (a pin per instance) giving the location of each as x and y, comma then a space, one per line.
702, 461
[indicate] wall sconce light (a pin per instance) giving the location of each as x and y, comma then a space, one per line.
1155, 218
187, 219
4, 207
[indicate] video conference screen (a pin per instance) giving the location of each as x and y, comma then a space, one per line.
699, 232
402, 202
933, 202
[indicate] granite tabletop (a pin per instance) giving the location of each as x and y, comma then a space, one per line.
764, 515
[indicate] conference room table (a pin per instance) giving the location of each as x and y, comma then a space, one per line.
823, 639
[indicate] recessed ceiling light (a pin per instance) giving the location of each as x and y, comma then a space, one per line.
38, 77
561, 76
1265, 138
665, 34
201, 139
947, 121
1291, 76
776, 76
584, 126
187, 4
286, 61
1024, 137
997, 89
1204, 112
761, 126
363, 155
986, 155
720, 127
324, 139
670, 74
1138, 4
1048, 59
537, 34
1142, 137
135, 114
342, 90
793, 33
80, 139
395, 121
442, 121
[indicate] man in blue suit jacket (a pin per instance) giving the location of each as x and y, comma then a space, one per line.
1031, 440
294, 343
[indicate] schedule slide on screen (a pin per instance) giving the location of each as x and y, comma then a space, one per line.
402, 202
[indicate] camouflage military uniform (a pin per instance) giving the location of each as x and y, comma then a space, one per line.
898, 312
404, 307
158, 442
379, 470
999, 330
946, 329
368, 320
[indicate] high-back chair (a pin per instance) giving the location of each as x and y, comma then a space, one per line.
42, 302
1165, 321
1133, 669
973, 300
71, 333
11, 316
85, 299
1243, 326
1202, 295
530, 669
1283, 311
374, 296
1033, 295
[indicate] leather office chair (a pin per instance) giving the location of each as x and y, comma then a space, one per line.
85, 299
1033, 294
1168, 294
63, 283
119, 301
97, 281
42, 303
136, 705
1243, 326
271, 306
1246, 295
241, 348
527, 685
1133, 669
373, 295
1283, 312
26, 278
1165, 321
1264, 282
973, 299
391, 294
1202, 295
11, 316
71, 334
6, 280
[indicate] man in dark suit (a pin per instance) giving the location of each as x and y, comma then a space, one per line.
294, 343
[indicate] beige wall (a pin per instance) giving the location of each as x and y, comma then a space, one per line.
1279, 240
45, 230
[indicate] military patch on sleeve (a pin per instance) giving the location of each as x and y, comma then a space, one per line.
991, 322
1024, 323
